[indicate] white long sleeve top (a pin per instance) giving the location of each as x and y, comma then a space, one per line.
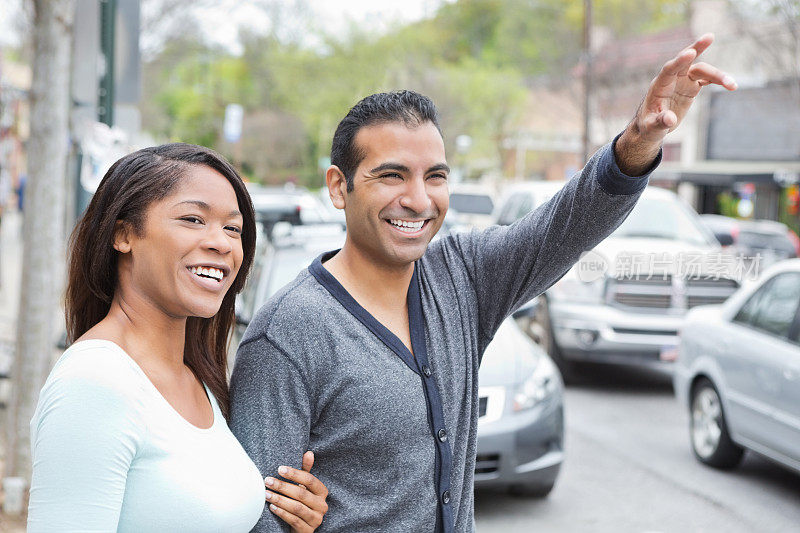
111, 454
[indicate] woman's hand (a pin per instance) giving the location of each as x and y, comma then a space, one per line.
300, 504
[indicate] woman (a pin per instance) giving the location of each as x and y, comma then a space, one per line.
130, 431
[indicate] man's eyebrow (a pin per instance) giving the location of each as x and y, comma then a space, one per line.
202, 205
440, 166
390, 166
402, 168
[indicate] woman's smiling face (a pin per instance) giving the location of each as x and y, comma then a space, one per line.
189, 251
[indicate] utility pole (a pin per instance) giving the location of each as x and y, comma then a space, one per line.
105, 92
42, 252
587, 76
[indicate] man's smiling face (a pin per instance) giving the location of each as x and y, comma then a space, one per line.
400, 194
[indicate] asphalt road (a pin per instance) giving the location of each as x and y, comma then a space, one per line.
629, 468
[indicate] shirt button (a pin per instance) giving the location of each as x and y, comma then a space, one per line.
446, 497
426, 370
442, 435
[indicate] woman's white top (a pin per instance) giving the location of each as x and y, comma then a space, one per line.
111, 454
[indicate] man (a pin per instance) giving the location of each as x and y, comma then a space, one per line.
370, 357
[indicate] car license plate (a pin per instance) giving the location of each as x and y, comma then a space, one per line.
668, 353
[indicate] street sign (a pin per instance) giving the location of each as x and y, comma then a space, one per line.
232, 127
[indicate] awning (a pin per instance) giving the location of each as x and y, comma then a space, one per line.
727, 173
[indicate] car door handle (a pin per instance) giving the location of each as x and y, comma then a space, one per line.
791, 373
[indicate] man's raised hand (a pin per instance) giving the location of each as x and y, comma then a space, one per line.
666, 103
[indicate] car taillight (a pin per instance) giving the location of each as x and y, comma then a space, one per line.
795, 241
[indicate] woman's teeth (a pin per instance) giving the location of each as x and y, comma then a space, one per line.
406, 226
208, 272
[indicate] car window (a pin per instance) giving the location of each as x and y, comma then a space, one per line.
249, 294
660, 218
479, 204
509, 210
772, 308
749, 310
525, 206
769, 241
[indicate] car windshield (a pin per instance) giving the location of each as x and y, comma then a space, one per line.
658, 218
478, 204
767, 241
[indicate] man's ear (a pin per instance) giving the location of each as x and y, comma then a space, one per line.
337, 186
122, 241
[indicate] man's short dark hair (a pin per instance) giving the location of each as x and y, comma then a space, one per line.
409, 107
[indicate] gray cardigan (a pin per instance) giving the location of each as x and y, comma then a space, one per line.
394, 434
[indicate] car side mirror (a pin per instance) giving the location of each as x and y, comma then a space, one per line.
725, 239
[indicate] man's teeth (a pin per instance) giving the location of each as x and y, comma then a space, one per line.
407, 226
208, 272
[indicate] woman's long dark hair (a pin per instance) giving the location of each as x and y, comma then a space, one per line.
126, 191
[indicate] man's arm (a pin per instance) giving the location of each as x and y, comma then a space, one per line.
509, 266
270, 413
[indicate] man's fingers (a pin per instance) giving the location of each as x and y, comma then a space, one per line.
304, 478
678, 64
660, 121
308, 460
668, 119
702, 43
704, 74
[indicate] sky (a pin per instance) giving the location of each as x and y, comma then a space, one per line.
221, 21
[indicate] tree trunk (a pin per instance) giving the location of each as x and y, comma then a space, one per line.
43, 248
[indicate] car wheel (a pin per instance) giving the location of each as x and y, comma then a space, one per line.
540, 329
711, 442
531, 491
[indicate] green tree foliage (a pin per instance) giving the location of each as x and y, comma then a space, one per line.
475, 58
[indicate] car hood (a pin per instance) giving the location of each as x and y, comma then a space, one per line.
510, 357
613, 246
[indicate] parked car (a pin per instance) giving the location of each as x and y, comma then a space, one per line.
520, 199
738, 372
771, 241
335, 216
279, 261
521, 424
294, 205
631, 317
521, 420
471, 206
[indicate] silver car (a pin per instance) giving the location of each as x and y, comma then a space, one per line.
521, 424
738, 372
521, 420
623, 301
